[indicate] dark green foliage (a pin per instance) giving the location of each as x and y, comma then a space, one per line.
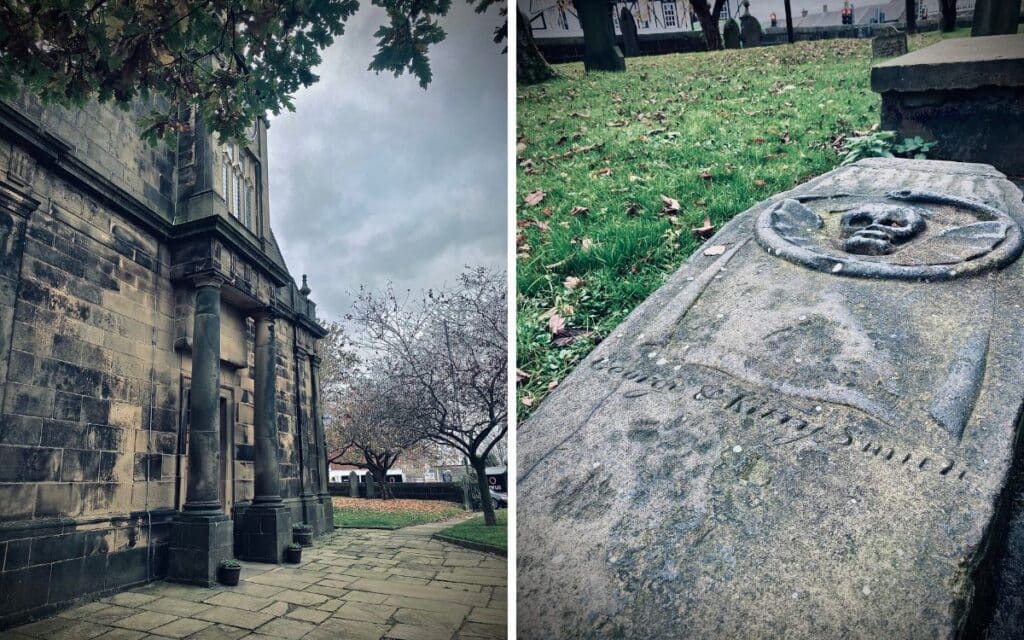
231, 61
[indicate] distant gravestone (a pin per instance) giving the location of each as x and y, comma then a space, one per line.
371, 486
731, 34
750, 28
353, 484
966, 94
817, 414
891, 42
630, 43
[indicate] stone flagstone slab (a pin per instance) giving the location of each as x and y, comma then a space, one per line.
804, 433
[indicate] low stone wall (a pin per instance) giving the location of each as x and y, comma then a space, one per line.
447, 491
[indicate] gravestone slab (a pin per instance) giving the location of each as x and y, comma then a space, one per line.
731, 34
891, 42
630, 43
804, 433
967, 94
750, 31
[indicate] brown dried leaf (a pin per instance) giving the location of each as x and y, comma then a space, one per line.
671, 206
572, 282
633, 209
587, 244
552, 385
556, 324
521, 375
706, 230
527, 401
533, 199
579, 211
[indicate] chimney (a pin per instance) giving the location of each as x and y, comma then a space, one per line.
824, 8
803, 13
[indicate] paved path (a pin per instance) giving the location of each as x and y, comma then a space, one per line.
359, 584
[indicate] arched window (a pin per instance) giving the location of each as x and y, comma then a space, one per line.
238, 172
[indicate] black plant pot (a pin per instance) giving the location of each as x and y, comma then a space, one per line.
304, 537
229, 576
293, 556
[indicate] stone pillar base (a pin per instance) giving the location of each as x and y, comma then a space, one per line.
313, 513
262, 532
198, 544
328, 507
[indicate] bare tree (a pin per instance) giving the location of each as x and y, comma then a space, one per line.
373, 430
450, 352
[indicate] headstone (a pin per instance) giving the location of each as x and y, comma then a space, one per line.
630, 43
600, 53
889, 43
731, 34
816, 416
371, 486
353, 484
995, 17
750, 28
467, 500
967, 94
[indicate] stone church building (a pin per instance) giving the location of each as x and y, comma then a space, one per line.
159, 400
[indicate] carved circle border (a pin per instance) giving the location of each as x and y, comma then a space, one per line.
1003, 254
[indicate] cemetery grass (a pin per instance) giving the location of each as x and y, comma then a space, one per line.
361, 513
716, 131
474, 530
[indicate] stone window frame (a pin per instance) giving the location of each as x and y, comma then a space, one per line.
238, 168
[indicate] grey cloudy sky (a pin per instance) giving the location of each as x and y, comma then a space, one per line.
374, 179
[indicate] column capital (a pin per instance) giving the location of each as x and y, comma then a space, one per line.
315, 360
267, 314
210, 279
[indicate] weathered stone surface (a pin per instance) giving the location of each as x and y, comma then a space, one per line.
966, 94
731, 34
889, 43
750, 31
788, 439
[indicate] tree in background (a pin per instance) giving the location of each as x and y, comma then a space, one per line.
708, 18
600, 52
948, 9
375, 428
531, 67
448, 353
231, 61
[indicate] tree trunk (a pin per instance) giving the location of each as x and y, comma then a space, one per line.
380, 476
531, 67
789, 22
708, 24
911, 17
948, 9
480, 466
600, 53
995, 17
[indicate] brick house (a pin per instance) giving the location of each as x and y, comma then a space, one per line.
159, 399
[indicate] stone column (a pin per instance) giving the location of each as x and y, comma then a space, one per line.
353, 484
312, 512
320, 444
201, 535
265, 527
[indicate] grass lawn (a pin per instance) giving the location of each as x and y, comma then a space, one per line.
474, 530
717, 132
360, 513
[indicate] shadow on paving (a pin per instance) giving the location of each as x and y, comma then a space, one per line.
356, 585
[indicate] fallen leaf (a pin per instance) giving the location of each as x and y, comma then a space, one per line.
556, 324
606, 171
786, 139
715, 250
579, 211
552, 385
760, 183
520, 148
759, 140
705, 174
521, 375
572, 282
533, 199
527, 401
587, 244
671, 206
561, 141
547, 211
706, 230
633, 209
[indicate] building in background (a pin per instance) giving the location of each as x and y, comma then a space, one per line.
159, 368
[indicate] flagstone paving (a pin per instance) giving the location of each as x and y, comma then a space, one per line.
358, 584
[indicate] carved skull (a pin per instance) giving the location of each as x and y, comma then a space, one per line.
879, 229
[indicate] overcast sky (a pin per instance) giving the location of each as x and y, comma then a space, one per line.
374, 179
